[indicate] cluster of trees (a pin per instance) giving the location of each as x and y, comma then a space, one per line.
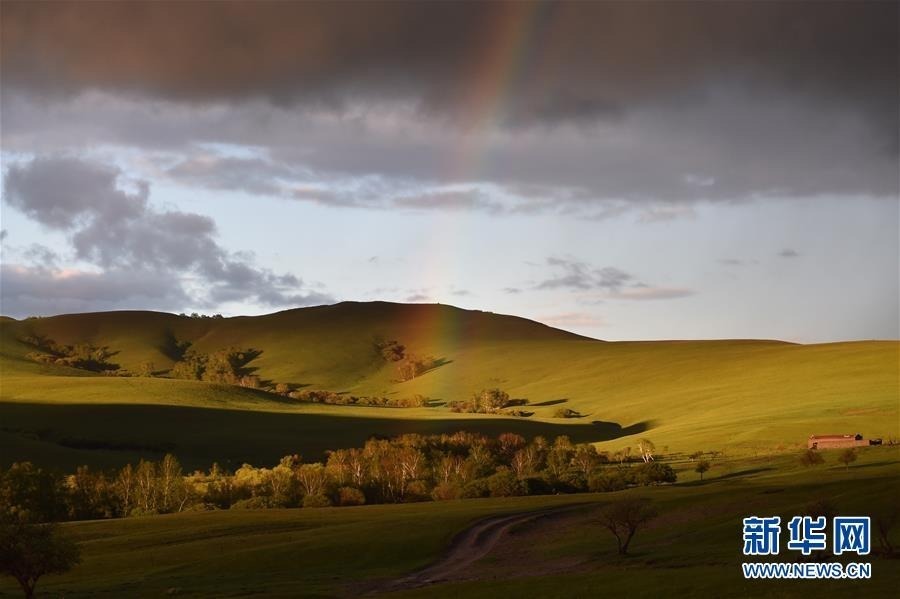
223, 366
390, 350
811, 457
81, 355
488, 401
409, 366
344, 399
404, 469
412, 366
201, 316
32, 494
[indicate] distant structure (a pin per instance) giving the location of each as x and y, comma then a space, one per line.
832, 441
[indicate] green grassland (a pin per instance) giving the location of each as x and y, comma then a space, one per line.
740, 396
692, 549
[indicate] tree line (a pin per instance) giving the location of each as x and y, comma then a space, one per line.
408, 468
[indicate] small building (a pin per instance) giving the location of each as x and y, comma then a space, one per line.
834, 441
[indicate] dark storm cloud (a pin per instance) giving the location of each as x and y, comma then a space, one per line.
119, 232
589, 109
568, 60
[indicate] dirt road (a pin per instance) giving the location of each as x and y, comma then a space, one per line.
471, 545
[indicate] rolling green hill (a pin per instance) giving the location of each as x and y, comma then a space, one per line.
743, 396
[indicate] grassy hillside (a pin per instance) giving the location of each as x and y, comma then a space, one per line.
693, 548
741, 396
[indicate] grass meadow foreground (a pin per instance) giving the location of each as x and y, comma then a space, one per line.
693, 547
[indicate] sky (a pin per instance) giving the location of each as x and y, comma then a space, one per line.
645, 170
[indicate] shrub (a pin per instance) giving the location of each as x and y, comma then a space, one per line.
654, 473
566, 413
607, 480
475, 489
350, 496
316, 501
251, 503
535, 485
504, 484
811, 457
446, 491
416, 491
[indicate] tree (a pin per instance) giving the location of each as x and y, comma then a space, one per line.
884, 522
847, 457
701, 467
391, 351
811, 457
30, 551
646, 448
623, 518
31, 493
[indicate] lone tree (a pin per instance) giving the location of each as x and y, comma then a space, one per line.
811, 457
884, 522
647, 448
624, 517
701, 467
847, 457
29, 551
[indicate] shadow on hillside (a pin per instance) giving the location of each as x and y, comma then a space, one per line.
549, 402
729, 476
858, 466
613, 430
435, 364
201, 436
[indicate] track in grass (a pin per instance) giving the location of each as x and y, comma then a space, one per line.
471, 545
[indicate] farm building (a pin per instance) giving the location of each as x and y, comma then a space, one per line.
832, 441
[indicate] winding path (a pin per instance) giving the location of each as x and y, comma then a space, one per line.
470, 545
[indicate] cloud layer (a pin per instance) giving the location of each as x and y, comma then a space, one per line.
595, 109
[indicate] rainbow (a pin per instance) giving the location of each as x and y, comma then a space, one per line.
512, 39
511, 36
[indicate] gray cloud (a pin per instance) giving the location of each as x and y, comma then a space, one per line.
252, 175
646, 292
781, 147
572, 274
37, 290
788, 253
599, 284
121, 233
62, 192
